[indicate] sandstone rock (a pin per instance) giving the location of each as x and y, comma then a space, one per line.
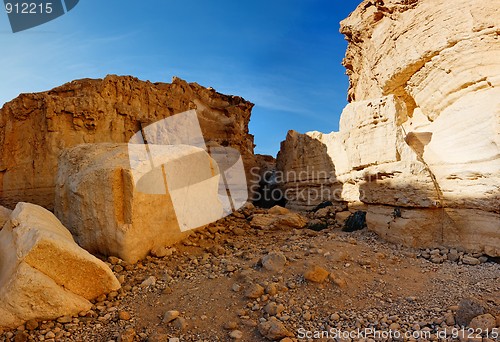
115, 209
277, 210
254, 291
274, 261
316, 274
4, 215
486, 322
287, 221
468, 260
44, 274
170, 316
273, 329
112, 109
306, 173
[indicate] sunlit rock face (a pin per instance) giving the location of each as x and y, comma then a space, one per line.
36, 128
422, 130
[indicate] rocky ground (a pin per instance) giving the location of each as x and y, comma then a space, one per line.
235, 280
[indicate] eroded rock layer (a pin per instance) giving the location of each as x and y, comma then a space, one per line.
419, 144
35, 128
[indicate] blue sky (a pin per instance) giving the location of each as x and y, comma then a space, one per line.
283, 55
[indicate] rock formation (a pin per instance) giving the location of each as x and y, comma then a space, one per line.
35, 128
114, 209
421, 135
44, 274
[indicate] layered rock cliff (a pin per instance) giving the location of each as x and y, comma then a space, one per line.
421, 135
35, 128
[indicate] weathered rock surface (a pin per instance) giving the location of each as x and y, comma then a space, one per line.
422, 131
35, 128
44, 274
114, 209
4, 215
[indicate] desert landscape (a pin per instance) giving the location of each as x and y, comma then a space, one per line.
139, 211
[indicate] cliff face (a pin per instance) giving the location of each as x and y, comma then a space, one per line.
422, 130
35, 128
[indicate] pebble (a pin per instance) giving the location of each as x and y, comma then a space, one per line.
254, 291
316, 274
170, 316
150, 281
236, 334
274, 261
124, 316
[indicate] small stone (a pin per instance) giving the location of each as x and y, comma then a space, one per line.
449, 318
21, 336
254, 291
180, 323
150, 281
65, 319
274, 261
170, 316
271, 289
316, 274
467, 310
334, 317
394, 327
158, 337
453, 255
114, 260
277, 210
230, 325
273, 329
236, 287
236, 334
50, 334
486, 322
31, 325
124, 316
468, 260
162, 252
340, 282
483, 259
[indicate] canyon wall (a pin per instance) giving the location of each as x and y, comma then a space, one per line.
36, 128
418, 146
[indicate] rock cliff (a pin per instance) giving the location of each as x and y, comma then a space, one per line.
35, 128
421, 134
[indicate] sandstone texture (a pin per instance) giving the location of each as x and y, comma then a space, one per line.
115, 203
418, 145
44, 274
36, 128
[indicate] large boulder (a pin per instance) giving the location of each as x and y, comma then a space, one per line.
124, 200
421, 134
44, 274
36, 128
